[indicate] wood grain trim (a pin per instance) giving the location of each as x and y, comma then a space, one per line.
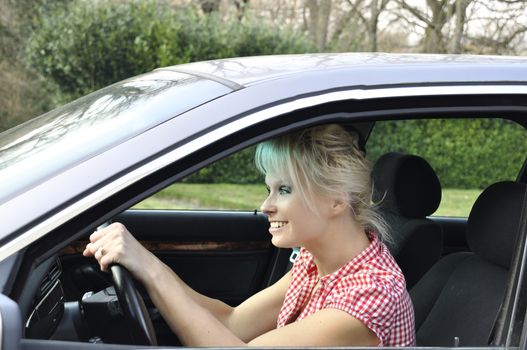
160, 246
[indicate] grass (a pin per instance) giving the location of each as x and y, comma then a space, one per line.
454, 202
207, 196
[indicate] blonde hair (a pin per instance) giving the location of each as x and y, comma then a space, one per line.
325, 160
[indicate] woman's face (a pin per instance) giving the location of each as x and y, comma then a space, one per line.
292, 222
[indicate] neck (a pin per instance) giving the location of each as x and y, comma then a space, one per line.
343, 240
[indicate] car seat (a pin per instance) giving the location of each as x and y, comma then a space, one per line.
458, 300
407, 190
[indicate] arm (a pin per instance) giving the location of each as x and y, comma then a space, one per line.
202, 321
177, 301
253, 322
326, 327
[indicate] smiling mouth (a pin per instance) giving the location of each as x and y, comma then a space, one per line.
278, 224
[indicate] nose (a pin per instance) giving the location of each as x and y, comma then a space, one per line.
268, 207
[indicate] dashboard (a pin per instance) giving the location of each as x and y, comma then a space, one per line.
95, 318
47, 305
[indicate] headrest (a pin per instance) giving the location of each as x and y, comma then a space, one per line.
494, 221
405, 185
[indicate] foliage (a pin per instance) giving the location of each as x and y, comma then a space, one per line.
464, 153
91, 44
23, 93
238, 168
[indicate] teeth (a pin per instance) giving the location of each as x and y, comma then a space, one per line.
278, 224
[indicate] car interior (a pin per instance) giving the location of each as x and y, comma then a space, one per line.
458, 300
408, 190
462, 272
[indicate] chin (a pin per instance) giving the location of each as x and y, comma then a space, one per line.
281, 243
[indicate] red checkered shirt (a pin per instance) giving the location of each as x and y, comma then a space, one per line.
370, 287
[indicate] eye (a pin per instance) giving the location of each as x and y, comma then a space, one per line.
268, 190
284, 189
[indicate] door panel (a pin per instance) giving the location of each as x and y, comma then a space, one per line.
225, 255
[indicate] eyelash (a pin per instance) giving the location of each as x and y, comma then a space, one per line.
282, 189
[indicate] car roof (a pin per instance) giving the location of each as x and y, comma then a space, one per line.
247, 71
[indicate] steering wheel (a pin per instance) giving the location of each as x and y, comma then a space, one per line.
133, 306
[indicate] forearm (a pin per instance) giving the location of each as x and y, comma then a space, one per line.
196, 319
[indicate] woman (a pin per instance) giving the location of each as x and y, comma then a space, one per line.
344, 289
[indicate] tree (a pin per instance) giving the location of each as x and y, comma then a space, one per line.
475, 26
433, 19
88, 45
369, 14
23, 93
319, 14
500, 27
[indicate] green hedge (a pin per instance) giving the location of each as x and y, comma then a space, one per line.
90, 44
238, 168
466, 154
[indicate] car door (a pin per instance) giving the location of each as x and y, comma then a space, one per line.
220, 250
196, 228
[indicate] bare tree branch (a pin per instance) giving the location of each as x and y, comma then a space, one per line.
355, 10
414, 11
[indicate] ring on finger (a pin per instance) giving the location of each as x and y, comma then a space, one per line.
101, 251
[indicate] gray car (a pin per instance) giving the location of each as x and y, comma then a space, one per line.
93, 160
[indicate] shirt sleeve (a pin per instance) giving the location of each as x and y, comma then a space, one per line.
371, 300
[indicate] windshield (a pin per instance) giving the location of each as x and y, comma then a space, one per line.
65, 136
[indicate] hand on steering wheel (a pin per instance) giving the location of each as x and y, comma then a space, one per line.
132, 304
133, 307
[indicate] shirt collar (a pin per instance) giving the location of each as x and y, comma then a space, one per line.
351, 266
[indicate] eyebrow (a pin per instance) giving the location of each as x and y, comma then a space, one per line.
273, 183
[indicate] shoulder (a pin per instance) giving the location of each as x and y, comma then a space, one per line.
375, 295
375, 283
376, 273
371, 286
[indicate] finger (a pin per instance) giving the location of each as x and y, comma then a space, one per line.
94, 237
97, 254
107, 260
89, 250
103, 267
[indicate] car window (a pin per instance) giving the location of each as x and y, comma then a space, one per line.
232, 183
467, 154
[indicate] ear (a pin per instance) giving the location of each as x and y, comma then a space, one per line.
338, 206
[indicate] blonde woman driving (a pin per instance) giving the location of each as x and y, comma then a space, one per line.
344, 288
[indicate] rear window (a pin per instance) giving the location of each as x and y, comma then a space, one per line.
467, 154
